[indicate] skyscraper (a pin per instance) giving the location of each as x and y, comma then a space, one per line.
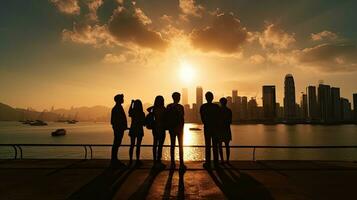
199, 102
335, 104
355, 106
199, 96
289, 98
312, 107
184, 96
252, 109
244, 108
346, 112
234, 107
324, 101
234, 96
269, 101
304, 107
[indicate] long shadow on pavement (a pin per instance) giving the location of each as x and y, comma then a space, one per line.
104, 186
144, 188
241, 186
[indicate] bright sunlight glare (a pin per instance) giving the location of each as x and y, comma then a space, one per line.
187, 72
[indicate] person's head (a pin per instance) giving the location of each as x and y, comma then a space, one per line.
159, 101
119, 98
176, 97
223, 101
138, 106
209, 97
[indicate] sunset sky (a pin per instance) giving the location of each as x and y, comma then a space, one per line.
83, 52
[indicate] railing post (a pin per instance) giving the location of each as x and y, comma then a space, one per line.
20, 151
15, 149
91, 152
253, 153
85, 152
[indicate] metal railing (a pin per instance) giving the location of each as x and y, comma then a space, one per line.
18, 150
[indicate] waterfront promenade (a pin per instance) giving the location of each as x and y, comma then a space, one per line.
92, 179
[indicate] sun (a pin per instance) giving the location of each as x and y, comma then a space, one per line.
187, 72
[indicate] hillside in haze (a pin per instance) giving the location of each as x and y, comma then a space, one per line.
94, 113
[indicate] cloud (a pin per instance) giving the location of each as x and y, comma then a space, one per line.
70, 7
189, 8
275, 37
225, 35
330, 57
256, 59
96, 35
93, 7
323, 35
114, 59
129, 25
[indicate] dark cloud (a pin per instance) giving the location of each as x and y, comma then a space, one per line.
130, 25
330, 57
225, 35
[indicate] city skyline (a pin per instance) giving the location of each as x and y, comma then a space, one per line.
67, 53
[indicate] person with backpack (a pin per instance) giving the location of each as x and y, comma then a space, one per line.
155, 120
136, 131
175, 123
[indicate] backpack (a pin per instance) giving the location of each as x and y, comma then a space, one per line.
150, 120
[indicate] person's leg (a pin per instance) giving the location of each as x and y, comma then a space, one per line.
215, 150
220, 148
115, 146
138, 145
120, 138
154, 146
228, 150
172, 146
131, 148
207, 147
180, 141
162, 136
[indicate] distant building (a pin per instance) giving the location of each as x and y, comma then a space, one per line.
279, 112
229, 102
335, 104
312, 106
199, 101
324, 101
355, 106
346, 111
234, 106
244, 108
304, 107
289, 98
252, 109
269, 101
184, 96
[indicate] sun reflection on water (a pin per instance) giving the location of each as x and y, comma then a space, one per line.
189, 138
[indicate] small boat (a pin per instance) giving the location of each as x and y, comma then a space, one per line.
194, 129
38, 123
27, 122
72, 121
59, 132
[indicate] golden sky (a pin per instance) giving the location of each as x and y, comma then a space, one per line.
83, 52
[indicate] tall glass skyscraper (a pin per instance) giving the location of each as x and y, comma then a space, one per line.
289, 98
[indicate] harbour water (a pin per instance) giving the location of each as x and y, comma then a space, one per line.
256, 134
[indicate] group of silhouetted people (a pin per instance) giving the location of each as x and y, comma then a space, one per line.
216, 120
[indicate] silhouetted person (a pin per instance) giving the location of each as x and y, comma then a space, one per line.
175, 123
136, 131
225, 128
210, 119
158, 130
119, 124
